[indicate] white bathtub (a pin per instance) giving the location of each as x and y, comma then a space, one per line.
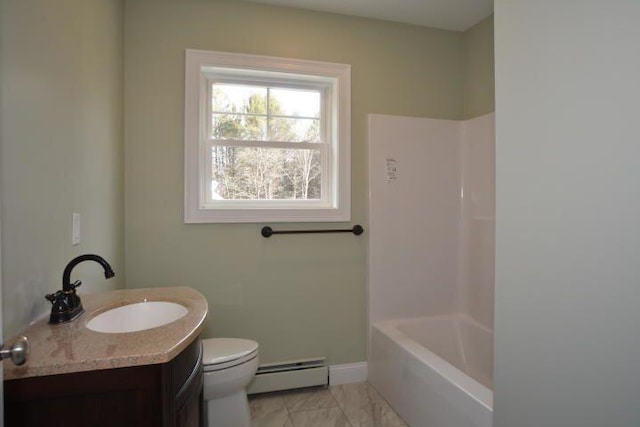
434, 371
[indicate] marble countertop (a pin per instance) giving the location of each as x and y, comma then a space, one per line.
72, 347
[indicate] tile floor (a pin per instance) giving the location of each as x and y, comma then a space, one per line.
348, 405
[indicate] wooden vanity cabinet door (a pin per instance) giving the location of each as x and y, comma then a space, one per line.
127, 397
190, 413
187, 393
165, 395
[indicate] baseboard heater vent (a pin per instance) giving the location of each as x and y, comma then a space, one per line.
290, 374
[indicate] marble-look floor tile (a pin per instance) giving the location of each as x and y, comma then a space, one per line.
305, 400
330, 417
269, 411
364, 407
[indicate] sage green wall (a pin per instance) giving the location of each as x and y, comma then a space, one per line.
62, 146
479, 88
298, 296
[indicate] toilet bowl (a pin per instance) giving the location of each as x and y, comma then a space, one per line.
229, 366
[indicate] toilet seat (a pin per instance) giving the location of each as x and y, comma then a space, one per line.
222, 353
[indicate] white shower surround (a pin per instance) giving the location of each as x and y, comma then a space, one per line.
431, 249
414, 221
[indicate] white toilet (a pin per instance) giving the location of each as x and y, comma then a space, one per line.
229, 366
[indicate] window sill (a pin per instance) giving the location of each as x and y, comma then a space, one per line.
266, 215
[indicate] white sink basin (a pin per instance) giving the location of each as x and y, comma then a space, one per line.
137, 317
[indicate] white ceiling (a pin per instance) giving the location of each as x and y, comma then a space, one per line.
458, 15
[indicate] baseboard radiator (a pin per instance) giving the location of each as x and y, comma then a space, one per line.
290, 374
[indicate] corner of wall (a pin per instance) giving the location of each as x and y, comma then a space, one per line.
479, 76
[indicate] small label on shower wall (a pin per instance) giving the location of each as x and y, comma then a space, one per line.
392, 170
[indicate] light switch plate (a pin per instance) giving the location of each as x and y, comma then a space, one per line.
75, 229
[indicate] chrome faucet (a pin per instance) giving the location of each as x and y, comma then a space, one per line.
66, 304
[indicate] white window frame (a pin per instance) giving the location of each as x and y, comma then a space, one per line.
335, 203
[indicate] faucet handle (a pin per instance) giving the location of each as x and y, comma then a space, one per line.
52, 297
75, 285
59, 307
58, 302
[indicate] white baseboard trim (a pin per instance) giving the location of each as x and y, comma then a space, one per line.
348, 373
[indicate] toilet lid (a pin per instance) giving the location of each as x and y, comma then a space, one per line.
222, 350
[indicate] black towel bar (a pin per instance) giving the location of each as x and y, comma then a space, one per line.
268, 231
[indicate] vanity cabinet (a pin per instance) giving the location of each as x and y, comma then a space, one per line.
161, 395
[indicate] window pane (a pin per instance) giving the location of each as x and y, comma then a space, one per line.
249, 173
294, 130
294, 102
230, 98
238, 126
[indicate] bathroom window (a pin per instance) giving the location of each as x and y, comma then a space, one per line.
266, 139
